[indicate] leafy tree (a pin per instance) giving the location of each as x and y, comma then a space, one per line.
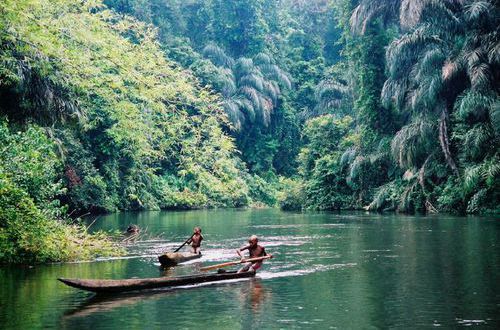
132, 114
322, 164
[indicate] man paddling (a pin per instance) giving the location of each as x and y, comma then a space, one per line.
195, 240
255, 251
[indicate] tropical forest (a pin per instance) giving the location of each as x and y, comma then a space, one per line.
342, 156
116, 105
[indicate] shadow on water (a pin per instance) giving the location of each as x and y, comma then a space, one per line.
99, 303
250, 295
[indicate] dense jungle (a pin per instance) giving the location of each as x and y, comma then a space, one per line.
114, 105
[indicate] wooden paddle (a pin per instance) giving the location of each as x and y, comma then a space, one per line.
232, 263
180, 247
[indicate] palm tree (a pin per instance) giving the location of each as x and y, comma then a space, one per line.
333, 94
442, 65
443, 75
250, 87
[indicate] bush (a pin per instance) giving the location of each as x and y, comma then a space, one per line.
321, 165
28, 159
262, 191
28, 235
32, 228
291, 196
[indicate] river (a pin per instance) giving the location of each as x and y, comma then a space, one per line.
329, 271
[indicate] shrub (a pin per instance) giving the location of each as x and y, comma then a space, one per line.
28, 235
291, 196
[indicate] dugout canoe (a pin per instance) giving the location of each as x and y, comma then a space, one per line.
116, 286
174, 258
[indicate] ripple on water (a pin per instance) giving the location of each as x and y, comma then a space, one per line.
301, 272
470, 322
308, 225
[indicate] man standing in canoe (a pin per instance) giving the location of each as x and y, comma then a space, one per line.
195, 240
255, 251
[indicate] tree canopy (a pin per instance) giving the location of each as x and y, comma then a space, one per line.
324, 104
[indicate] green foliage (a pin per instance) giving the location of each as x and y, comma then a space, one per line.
287, 36
413, 143
250, 87
264, 191
31, 225
434, 108
29, 160
292, 194
23, 228
321, 162
439, 64
333, 94
139, 116
28, 235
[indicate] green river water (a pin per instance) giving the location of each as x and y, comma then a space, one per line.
331, 270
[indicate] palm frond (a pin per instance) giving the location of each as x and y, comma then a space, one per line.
407, 46
431, 63
471, 178
476, 10
267, 108
226, 83
495, 116
480, 76
355, 168
246, 106
253, 80
491, 170
473, 105
410, 12
271, 89
412, 142
441, 14
348, 157
243, 66
494, 51
330, 93
217, 55
232, 109
262, 59
475, 139
274, 72
383, 195
367, 11
395, 91
451, 69
252, 95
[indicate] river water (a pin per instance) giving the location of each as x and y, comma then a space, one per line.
331, 270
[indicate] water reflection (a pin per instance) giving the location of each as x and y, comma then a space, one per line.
250, 294
104, 303
166, 271
253, 295
331, 270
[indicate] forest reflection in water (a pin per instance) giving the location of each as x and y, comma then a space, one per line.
351, 270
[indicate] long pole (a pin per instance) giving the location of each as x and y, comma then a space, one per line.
180, 247
232, 263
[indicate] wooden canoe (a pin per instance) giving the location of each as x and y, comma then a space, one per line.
174, 258
116, 286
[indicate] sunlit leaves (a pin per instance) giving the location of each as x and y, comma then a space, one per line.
141, 113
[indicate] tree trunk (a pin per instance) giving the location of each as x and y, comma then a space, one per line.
421, 180
445, 142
